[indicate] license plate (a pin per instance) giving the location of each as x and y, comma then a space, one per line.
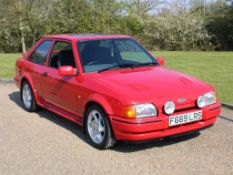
185, 118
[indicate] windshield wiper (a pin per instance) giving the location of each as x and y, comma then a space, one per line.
127, 65
117, 66
145, 64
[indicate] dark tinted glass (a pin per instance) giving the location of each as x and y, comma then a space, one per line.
100, 54
62, 55
40, 53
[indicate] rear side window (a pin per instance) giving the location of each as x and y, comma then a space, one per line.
40, 53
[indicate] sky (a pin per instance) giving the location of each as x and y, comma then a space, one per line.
183, 3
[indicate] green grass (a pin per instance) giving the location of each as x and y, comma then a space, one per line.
7, 65
213, 67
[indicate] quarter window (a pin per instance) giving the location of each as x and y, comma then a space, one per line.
40, 53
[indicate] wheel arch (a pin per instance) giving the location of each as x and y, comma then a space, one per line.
99, 100
102, 103
27, 77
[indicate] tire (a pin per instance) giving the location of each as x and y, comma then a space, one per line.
27, 97
98, 128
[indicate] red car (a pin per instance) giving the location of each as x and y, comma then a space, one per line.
114, 88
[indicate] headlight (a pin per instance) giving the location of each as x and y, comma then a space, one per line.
206, 99
140, 111
169, 107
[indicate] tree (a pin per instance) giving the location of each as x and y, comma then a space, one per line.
157, 24
15, 15
219, 22
179, 29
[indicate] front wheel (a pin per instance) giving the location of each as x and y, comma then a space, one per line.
98, 128
27, 97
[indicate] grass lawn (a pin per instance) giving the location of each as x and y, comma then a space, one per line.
7, 64
213, 67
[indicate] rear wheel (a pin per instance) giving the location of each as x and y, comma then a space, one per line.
27, 97
98, 128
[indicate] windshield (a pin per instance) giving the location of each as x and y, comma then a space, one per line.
98, 55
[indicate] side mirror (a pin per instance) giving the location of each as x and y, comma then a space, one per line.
67, 71
160, 60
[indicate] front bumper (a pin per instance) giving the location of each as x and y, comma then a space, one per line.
157, 127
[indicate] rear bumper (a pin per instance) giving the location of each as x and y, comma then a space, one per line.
126, 129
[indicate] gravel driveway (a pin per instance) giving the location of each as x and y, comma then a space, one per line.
43, 143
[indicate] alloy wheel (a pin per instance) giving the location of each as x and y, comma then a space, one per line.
27, 96
96, 127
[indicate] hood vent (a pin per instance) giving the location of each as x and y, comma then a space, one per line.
185, 80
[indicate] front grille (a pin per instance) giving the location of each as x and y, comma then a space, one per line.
185, 107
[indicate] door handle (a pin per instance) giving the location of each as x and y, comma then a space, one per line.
45, 74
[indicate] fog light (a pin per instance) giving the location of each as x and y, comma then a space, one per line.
169, 107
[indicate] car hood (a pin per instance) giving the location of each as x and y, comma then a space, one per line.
151, 84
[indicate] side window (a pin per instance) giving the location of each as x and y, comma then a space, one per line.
130, 51
40, 53
62, 55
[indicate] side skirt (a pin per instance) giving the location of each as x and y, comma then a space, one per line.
67, 115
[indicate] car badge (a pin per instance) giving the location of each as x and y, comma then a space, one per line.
181, 100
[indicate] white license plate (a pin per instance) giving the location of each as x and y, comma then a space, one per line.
185, 118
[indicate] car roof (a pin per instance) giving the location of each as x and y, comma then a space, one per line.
87, 36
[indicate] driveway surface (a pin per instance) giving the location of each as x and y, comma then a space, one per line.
43, 143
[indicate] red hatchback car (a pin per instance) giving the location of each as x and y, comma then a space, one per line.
114, 88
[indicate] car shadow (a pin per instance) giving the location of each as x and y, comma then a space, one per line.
120, 147
43, 113
128, 147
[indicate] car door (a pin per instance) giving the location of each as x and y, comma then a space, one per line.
36, 66
61, 91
